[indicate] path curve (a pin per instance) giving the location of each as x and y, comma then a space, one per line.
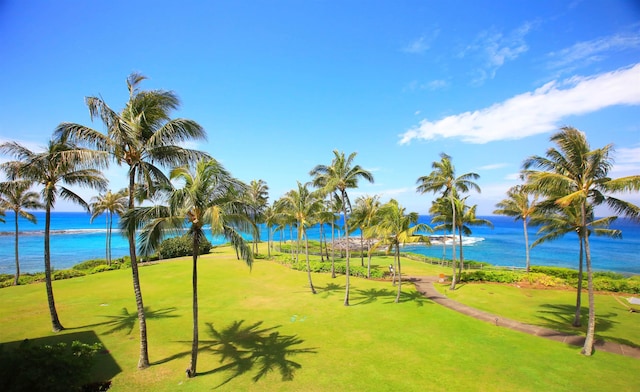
424, 285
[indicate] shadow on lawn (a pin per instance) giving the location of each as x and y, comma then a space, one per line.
560, 318
246, 348
330, 289
126, 321
364, 297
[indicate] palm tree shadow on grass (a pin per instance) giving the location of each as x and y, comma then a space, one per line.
364, 297
245, 348
560, 317
330, 289
126, 321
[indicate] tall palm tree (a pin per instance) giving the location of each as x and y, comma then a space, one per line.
440, 211
395, 228
302, 205
574, 173
271, 220
337, 178
443, 179
109, 203
257, 198
556, 222
145, 138
15, 196
466, 217
363, 216
210, 196
518, 204
61, 163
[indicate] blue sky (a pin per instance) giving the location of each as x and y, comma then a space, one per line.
278, 85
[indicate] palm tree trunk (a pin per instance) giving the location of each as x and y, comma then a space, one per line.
399, 273
346, 236
15, 279
143, 361
108, 242
269, 241
55, 321
453, 237
591, 324
194, 285
306, 248
369, 259
321, 254
333, 251
577, 322
526, 244
461, 256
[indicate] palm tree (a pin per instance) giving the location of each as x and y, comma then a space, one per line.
574, 173
111, 203
62, 162
210, 196
556, 222
257, 198
15, 196
440, 211
363, 216
466, 216
145, 138
443, 179
337, 178
271, 220
302, 205
519, 206
394, 228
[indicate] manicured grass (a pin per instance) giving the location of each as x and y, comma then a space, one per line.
373, 345
553, 308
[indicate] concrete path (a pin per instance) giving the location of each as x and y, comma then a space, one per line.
424, 285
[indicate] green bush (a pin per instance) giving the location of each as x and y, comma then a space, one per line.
66, 274
89, 264
181, 246
102, 268
543, 279
51, 368
562, 273
490, 276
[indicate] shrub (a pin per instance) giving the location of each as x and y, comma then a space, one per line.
52, 368
490, 276
102, 268
181, 246
89, 264
543, 279
66, 274
562, 273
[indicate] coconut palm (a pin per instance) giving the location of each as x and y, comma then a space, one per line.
556, 222
302, 205
271, 220
146, 139
337, 178
394, 228
209, 196
16, 196
109, 203
519, 205
60, 165
438, 211
466, 217
574, 173
257, 198
363, 217
443, 179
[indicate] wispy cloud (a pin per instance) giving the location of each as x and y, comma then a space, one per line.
433, 85
627, 162
422, 44
585, 53
534, 112
493, 166
494, 48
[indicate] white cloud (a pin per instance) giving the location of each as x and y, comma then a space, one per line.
494, 166
421, 44
535, 112
627, 162
494, 49
587, 52
437, 84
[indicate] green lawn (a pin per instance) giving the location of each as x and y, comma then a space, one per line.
373, 345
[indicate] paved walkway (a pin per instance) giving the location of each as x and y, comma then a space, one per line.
424, 284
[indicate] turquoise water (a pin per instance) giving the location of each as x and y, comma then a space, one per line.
75, 239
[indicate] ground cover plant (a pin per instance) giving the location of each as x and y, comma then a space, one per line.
290, 339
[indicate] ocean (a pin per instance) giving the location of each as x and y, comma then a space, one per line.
74, 239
